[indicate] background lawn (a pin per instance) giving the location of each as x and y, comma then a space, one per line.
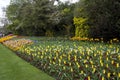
14, 68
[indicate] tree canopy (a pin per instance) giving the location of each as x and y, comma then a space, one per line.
103, 17
86, 18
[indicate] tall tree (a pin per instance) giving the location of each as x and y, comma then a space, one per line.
43, 9
12, 13
80, 20
31, 17
103, 17
65, 18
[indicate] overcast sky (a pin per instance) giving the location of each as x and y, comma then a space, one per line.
3, 3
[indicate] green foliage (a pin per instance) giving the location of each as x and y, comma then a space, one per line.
81, 20
34, 16
81, 27
41, 18
49, 33
65, 15
103, 17
94, 18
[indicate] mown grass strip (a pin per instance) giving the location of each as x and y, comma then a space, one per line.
14, 68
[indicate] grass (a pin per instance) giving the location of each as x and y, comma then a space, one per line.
14, 68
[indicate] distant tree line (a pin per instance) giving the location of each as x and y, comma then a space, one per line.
85, 18
40, 18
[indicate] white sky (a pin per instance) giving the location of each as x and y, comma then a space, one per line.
69, 0
3, 3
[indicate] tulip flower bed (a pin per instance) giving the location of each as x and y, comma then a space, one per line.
8, 37
73, 60
16, 44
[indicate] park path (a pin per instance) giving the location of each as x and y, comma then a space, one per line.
14, 68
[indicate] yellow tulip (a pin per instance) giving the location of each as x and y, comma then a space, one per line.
61, 57
88, 77
114, 73
119, 75
107, 53
117, 50
75, 57
103, 78
85, 61
107, 58
82, 72
68, 57
112, 62
88, 57
107, 65
104, 71
80, 57
69, 64
92, 66
108, 75
64, 68
91, 62
93, 70
64, 62
71, 69
86, 66
100, 61
94, 54
101, 64
117, 65
77, 64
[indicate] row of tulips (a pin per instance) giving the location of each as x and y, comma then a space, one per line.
8, 37
17, 44
75, 60
114, 40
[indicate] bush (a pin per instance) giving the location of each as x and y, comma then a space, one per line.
82, 28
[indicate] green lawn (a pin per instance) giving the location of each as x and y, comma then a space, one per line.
14, 68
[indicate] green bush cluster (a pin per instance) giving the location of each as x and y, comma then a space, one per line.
82, 28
